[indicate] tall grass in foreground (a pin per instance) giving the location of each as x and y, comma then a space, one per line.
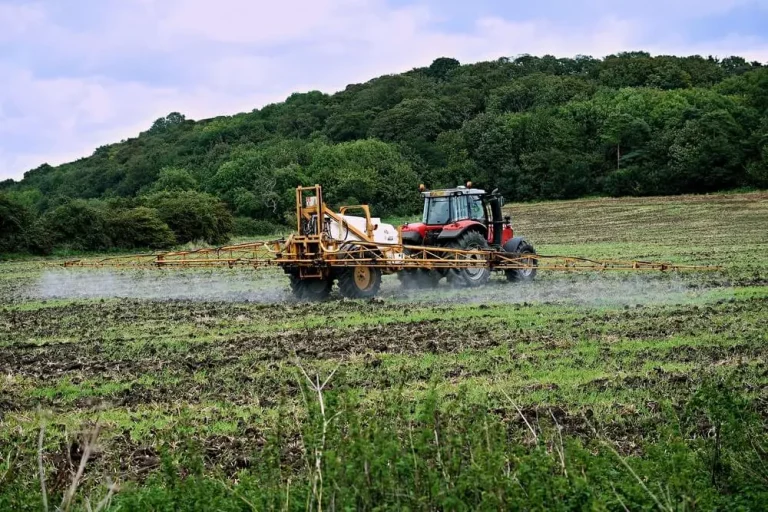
336, 453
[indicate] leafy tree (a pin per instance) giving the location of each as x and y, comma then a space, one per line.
440, 68
79, 225
706, 154
174, 179
15, 221
624, 135
670, 76
411, 119
166, 123
346, 126
246, 226
366, 171
139, 228
539, 90
758, 170
193, 216
753, 87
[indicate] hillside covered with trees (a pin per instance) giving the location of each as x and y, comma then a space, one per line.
535, 127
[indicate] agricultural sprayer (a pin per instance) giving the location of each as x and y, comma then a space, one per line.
462, 237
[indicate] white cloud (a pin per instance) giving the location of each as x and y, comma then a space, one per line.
213, 58
238, 21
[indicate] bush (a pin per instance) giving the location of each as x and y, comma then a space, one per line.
14, 220
193, 216
139, 227
246, 226
37, 239
78, 225
174, 179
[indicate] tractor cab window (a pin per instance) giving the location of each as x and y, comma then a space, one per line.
436, 211
476, 208
460, 208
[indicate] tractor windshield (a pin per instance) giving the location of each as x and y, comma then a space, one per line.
437, 211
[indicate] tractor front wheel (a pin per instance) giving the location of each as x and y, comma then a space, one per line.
311, 289
469, 277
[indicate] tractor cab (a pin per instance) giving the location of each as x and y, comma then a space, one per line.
449, 213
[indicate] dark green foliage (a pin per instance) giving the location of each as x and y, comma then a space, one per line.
173, 179
535, 127
14, 220
78, 225
409, 120
193, 216
20, 231
139, 228
367, 172
246, 226
441, 67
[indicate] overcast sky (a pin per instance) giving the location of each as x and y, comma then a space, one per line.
77, 74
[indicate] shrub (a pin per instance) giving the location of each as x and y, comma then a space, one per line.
37, 239
139, 227
14, 219
193, 216
246, 226
78, 225
174, 179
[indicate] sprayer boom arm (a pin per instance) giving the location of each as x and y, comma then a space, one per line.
388, 257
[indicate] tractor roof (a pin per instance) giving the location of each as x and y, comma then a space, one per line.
454, 191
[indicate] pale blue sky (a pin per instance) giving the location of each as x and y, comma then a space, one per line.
82, 73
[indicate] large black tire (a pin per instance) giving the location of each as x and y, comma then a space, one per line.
311, 289
413, 278
475, 276
523, 274
360, 282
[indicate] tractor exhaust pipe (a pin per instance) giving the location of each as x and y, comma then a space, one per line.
497, 221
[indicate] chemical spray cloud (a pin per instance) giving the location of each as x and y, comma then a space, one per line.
230, 286
264, 287
596, 290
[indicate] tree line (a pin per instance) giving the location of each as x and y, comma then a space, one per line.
534, 127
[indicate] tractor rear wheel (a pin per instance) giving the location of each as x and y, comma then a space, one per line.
359, 282
523, 274
311, 289
471, 276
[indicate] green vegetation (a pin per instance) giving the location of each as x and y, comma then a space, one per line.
535, 127
592, 391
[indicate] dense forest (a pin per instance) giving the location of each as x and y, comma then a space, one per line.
534, 127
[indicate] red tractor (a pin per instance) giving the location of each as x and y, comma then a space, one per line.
464, 218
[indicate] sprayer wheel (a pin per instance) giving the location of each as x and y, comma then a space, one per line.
471, 276
359, 282
520, 275
311, 289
